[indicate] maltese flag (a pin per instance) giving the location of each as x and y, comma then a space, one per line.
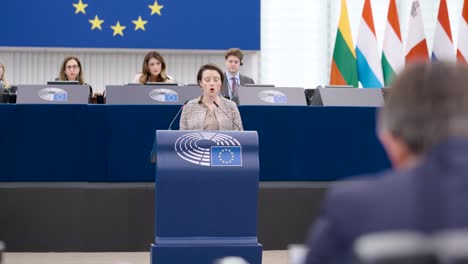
416, 46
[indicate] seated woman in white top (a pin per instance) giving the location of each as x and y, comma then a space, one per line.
153, 70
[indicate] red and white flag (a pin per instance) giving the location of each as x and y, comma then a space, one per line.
416, 46
443, 44
462, 51
393, 58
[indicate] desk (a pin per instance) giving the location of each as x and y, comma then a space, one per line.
111, 143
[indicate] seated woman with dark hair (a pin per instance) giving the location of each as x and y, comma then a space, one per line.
71, 70
210, 111
153, 69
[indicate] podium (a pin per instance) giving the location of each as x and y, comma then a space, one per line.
206, 196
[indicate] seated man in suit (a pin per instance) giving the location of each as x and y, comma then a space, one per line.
232, 78
424, 130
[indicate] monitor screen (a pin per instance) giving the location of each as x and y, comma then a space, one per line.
258, 85
339, 86
162, 83
62, 82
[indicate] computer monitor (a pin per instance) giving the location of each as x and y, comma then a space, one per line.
63, 83
258, 85
338, 86
161, 83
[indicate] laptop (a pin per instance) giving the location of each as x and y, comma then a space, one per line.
278, 96
53, 94
150, 94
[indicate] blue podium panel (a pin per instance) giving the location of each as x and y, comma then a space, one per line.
206, 195
302, 143
55, 143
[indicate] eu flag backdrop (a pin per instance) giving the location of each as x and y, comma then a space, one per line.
160, 24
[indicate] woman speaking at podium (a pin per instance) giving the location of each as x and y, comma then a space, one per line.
210, 111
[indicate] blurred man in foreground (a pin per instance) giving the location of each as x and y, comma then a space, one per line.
424, 130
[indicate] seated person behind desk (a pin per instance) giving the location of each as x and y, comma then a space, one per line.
3, 80
210, 111
71, 70
153, 70
6, 90
232, 78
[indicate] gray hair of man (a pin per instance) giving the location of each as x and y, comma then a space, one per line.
428, 103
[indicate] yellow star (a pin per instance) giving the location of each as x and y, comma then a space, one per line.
118, 29
96, 23
80, 7
139, 24
155, 8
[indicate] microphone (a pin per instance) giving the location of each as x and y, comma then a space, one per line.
175, 117
230, 118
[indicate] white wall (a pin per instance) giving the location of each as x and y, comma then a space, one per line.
297, 38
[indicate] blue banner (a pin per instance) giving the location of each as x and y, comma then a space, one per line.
151, 24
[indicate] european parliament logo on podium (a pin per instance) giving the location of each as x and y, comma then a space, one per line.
53, 94
272, 96
209, 149
164, 95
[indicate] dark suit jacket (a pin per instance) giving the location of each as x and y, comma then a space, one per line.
427, 198
225, 88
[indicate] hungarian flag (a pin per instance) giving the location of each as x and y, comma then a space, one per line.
367, 51
416, 46
443, 44
462, 52
343, 68
393, 58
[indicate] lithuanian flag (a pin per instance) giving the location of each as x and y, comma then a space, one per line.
343, 68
